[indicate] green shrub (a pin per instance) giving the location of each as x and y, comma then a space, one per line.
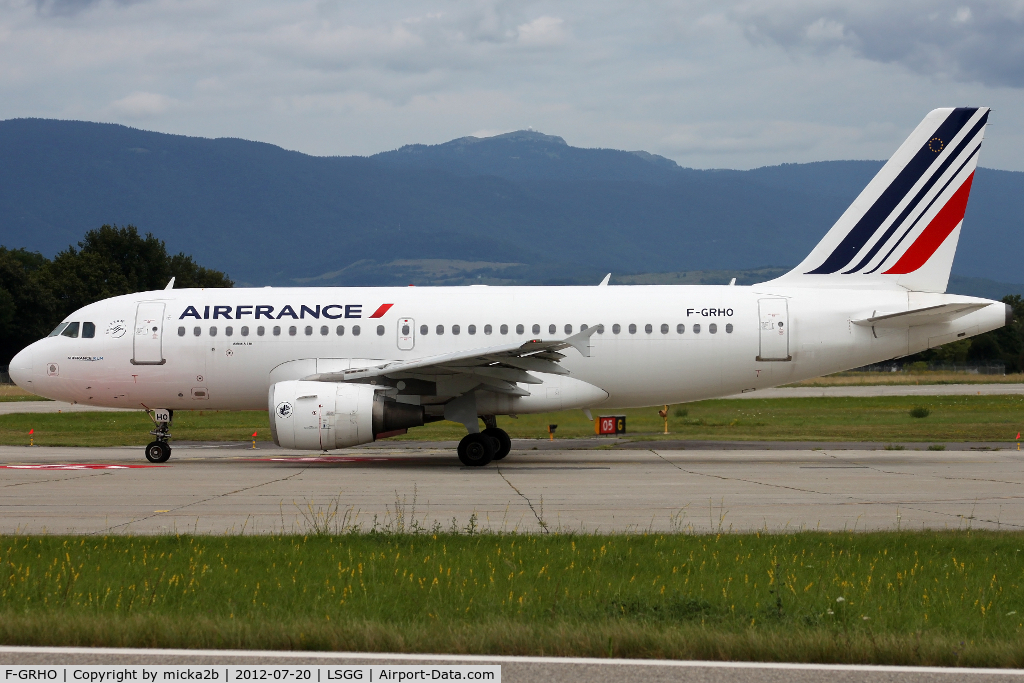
919, 411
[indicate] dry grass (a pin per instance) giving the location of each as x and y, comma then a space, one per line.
12, 392
498, 637
844, 379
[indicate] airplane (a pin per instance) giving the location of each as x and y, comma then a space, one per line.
339, 367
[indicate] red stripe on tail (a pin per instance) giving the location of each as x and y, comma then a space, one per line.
379, 313
936, 233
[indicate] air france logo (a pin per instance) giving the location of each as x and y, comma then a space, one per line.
284, 409
331, 312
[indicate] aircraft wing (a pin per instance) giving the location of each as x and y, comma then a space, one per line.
499, 368
928, 315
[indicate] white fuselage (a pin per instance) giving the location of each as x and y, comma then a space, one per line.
204, 349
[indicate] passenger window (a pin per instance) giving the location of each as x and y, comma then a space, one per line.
552, 328
228, 331
380, 330
245, 331
213, 331
356, 330
713, 328
519, 329
324, 331
197, 331
728, 328
696, 329
487, 329
57, 330
536, 329
503, 329
340, 331
584, 327
309, 330
648, 328
70, 331
568, 329
440, 329
456, 329
664, 328
88, 330
277, 331
600, 328
181, 331
680, 328
632, 328
260, 330
471, 329
292, 330
423, 329
616, 328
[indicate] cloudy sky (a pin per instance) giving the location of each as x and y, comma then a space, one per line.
710, 84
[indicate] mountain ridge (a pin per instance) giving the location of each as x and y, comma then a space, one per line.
267, 215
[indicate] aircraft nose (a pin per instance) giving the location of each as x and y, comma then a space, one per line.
21, 367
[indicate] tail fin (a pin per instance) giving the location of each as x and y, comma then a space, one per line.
904, 227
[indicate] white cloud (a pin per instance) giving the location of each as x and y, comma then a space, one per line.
543, 31
735, 83
141, 105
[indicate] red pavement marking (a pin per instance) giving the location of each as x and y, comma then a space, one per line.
90, 466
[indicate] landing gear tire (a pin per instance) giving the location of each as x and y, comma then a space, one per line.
476, 450
503, 439
158, 451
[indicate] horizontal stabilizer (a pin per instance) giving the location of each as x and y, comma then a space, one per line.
930, 315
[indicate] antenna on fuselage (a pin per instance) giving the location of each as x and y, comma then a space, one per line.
604, 282
170, 285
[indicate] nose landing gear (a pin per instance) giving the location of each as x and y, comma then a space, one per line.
159, 450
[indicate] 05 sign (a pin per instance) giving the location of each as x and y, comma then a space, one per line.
611, 424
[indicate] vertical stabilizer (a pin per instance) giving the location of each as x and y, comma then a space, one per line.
904, 227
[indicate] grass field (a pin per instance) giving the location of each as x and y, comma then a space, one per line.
878, 419
846, 379
952, 598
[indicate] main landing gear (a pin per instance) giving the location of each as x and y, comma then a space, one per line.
159, 450
477, 450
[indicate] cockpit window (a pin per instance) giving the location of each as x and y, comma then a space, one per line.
57, 330
88, 330
70, 331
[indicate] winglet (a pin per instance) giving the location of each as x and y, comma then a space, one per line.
170, 285
581, 340
604, 282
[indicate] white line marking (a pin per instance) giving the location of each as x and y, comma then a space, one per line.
394, 656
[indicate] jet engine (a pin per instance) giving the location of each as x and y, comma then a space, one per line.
326, 415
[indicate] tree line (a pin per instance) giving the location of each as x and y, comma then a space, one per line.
1005, 345
36, 293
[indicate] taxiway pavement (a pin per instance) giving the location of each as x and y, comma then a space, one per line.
231, 489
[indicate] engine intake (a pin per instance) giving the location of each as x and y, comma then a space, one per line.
325, 415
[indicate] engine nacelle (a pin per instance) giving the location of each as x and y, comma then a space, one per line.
327, 415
